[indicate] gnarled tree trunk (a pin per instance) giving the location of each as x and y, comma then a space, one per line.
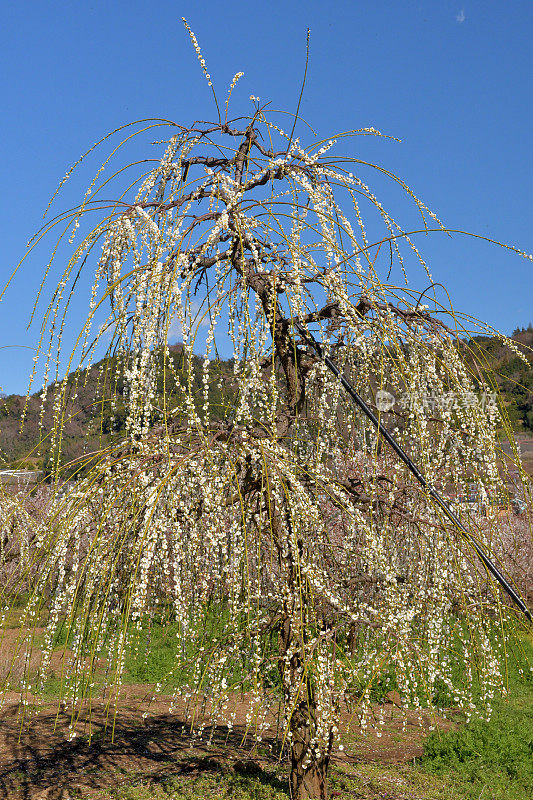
309, 773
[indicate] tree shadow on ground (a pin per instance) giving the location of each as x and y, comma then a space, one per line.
38, 761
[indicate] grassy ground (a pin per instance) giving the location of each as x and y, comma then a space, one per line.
492, 760
363, 781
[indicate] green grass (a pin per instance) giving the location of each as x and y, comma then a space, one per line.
491, 759
347, 782
494, 757
158, 654
200, 787
155, 659
199, 778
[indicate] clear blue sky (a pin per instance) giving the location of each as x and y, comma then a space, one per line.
451, 79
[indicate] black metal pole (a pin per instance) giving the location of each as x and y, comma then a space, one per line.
400, 452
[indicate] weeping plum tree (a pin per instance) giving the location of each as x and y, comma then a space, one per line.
294, 555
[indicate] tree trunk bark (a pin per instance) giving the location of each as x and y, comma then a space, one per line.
309, 771
311, 783
309, 774
309, 768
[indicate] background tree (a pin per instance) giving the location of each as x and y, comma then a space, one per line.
295, 555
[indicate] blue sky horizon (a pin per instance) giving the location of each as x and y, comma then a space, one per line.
451, 80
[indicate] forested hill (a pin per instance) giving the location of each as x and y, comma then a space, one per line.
91, 419
93, 422
514, 377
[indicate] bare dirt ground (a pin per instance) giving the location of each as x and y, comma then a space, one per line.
38, 762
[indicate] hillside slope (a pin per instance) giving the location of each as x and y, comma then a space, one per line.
92, 420
513, 376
